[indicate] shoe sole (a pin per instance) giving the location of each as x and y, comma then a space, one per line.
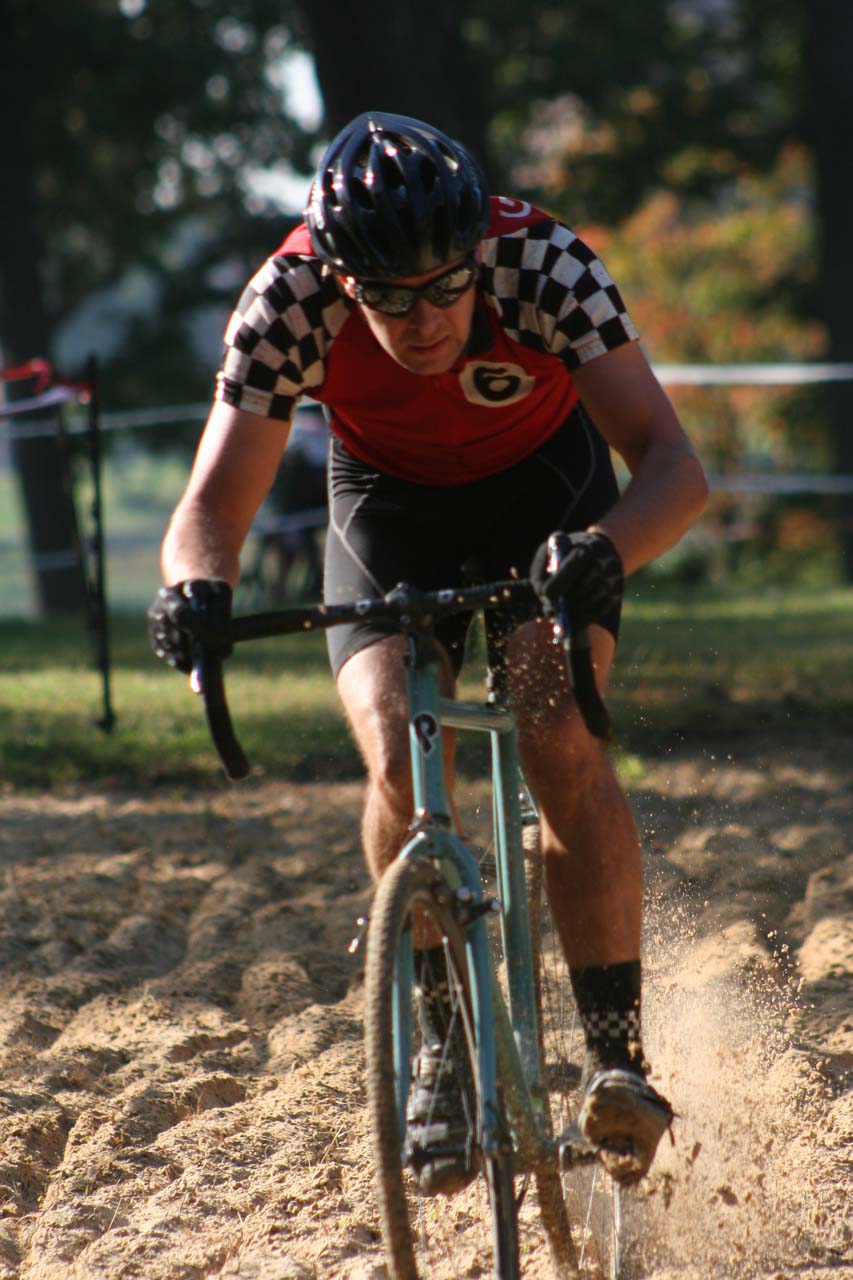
625, 1127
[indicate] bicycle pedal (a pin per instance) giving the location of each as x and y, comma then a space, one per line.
574, 1149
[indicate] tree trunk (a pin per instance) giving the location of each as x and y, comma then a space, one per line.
40, 462
829, 90
404, 58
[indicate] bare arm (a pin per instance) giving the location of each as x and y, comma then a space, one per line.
235, 465
667, 491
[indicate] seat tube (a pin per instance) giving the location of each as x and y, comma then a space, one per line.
512, 888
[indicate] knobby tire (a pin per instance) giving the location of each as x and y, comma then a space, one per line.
409, 1221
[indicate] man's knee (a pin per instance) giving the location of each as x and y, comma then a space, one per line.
567, 766
389, 768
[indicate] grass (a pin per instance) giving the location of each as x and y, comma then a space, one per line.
715, 663
690, 664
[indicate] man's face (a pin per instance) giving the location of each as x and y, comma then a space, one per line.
430, 339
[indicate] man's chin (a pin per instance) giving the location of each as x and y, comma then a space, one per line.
430, 361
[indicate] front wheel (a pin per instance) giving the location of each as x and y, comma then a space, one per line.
472, 1232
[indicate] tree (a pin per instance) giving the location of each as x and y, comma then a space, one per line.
828, 60
139, 122
25, 327
134, 127
388, 56
598, 105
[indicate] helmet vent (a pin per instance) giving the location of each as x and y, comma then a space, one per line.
330, 193
390, 171
407, 225
440, 232
361, 193
450, 159
429, 174
399, 143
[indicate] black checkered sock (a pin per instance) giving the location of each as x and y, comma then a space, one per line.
608, 1000
435, 1010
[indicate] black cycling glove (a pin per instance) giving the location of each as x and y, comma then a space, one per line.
208, 599
589, 576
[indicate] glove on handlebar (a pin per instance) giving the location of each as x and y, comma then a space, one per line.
589, 577
208, 599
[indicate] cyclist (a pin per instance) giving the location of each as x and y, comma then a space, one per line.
477, 365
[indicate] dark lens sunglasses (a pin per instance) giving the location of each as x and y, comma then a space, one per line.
400, 299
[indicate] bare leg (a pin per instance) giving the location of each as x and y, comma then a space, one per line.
589, 841
372, 687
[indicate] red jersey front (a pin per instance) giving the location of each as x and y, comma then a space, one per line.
545, 305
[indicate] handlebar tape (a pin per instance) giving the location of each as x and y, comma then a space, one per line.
207, 679
595, 714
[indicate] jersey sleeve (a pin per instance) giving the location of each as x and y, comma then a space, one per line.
555, 294
278, 336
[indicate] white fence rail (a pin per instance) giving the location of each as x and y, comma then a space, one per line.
37, 415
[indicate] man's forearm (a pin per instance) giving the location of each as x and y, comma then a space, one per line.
196, 546
666, 495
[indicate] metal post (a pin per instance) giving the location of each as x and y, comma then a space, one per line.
97, 583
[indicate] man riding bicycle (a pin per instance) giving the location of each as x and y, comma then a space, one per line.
477, 364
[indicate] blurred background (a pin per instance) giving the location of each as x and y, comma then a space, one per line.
155, 153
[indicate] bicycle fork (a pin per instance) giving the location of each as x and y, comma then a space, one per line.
515, 1051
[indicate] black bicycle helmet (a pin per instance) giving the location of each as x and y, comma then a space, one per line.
394, 197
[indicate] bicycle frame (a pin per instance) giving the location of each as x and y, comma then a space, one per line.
504, 1037
507, 1040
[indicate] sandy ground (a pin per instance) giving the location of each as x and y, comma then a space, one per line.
182, 1085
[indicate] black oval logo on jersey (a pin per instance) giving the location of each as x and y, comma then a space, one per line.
488, 382
496, 384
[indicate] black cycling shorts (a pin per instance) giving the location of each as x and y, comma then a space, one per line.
383, 530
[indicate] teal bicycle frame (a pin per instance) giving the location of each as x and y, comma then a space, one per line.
513, 1121
507, 1040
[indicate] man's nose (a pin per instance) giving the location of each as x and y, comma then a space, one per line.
424, 314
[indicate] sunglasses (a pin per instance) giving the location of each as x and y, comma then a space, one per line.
400, 299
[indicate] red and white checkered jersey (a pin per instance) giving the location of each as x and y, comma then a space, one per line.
546, 304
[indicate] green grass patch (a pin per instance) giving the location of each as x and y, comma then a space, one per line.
713, 663
689, 664
282, 697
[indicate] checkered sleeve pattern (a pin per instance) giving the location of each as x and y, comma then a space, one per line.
553, 293
278, 337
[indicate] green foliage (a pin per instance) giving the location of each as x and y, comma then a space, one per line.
143, 120
733, 663
728, 281
604, 102
150, 115
722, 282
